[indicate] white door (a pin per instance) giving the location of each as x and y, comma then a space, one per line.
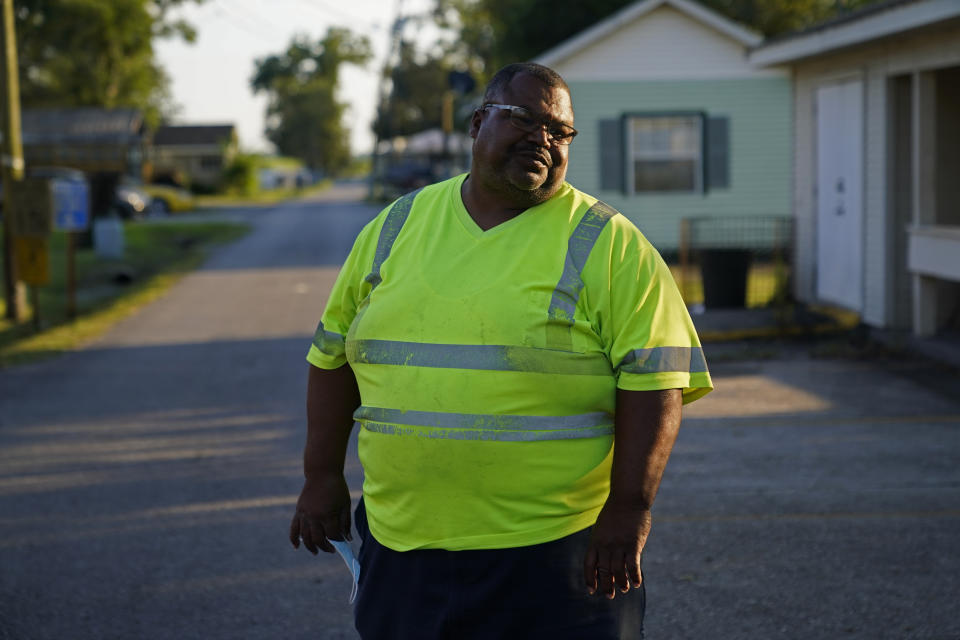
840, 194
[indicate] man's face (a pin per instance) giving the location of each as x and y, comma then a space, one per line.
528, 167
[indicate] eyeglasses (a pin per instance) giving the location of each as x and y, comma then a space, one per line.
522, 119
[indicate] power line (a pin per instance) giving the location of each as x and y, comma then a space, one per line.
254, 10
330, 8
239, 21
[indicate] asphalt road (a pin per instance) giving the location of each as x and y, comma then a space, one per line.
147, 481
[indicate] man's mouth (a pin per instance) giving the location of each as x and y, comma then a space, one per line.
535, 157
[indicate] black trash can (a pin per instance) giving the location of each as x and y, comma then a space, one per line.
724, 273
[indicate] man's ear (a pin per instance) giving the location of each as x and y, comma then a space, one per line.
475, 121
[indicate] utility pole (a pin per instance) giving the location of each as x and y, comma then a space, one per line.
11, 159
384, 95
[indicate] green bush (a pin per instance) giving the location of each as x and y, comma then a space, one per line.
241, 175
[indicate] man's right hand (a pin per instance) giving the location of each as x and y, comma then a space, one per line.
323, 511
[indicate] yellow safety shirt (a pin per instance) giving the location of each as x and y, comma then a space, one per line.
487, 363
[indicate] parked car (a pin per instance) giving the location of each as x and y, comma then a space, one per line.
407, 177
168, 199
131, 201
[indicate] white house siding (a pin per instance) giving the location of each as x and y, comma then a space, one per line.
760, 126
664, 44
666, 60
874, 64
189, 160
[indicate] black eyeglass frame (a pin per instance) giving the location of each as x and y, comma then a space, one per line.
558, 132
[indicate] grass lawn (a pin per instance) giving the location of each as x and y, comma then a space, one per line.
156, 256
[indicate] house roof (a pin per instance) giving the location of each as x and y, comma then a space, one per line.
203, 134
87, 125
876, 21
636, 11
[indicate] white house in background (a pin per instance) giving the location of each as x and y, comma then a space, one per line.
876, 188
199, 153
675, 122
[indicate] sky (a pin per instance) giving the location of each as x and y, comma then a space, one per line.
210, 78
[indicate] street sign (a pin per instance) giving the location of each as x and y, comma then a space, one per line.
461, 82
33, 259
71, 205
34, 203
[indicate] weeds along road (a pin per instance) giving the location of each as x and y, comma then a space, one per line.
147, 481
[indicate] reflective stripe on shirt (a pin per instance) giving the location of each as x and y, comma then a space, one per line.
330, 343
392, 225
489, 357
474, 426
563, 303
663, 359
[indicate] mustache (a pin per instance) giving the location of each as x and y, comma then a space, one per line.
536, 151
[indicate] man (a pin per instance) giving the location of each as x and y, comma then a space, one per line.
494, 335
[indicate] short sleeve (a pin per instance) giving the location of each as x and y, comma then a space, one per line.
642, 319
328, 349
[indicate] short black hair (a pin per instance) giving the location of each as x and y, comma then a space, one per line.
502, 78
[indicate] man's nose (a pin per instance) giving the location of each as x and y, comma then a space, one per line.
541, 135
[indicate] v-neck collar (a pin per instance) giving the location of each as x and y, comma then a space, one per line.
471, 226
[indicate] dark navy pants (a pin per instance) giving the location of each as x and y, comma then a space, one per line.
525, 592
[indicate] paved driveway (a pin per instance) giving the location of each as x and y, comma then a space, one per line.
146, 482
811, 498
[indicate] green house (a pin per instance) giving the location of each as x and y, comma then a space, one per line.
675, 122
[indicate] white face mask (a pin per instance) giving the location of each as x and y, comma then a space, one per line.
346, 552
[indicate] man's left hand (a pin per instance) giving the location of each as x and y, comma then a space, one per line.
613, 557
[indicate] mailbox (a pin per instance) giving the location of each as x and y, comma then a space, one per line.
58, 201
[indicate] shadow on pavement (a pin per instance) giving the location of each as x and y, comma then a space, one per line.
146, 493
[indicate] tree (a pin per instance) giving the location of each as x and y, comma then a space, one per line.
492, 33
96, 54
777, 17
496, 32
417, 86
304, 117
